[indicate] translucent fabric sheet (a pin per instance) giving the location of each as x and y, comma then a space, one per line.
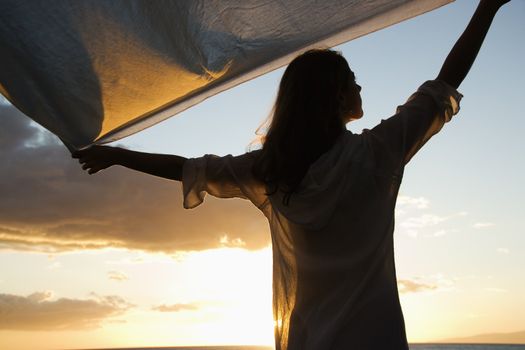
96, 71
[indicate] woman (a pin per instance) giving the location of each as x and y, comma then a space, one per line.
329, 195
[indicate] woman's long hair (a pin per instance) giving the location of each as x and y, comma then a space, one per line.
307, 118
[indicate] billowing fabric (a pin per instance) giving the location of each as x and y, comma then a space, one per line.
334, 280
96, 71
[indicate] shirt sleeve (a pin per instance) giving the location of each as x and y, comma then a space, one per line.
223, 177
397, 139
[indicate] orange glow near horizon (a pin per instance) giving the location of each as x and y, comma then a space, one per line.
223, 296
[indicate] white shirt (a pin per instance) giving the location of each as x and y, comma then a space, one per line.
334, 280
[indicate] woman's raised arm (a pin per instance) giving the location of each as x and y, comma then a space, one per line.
464, 52
96, 158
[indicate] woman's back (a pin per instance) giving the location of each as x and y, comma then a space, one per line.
335, 254
334, 281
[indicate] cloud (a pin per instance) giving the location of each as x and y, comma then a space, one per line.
503, 251
414, 202
410, 286
413, 218
481, 225
38, 312
176, 307
434, 282
226, 241
413, 225
406, 204
424, 220
49, 204
117, 276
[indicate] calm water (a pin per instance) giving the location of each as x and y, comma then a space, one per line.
412, 347
465, 347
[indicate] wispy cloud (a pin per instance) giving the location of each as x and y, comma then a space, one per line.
413, 225
424, 220
176, 307
39, 312
117, 276
406, 204
414, 202
503, 251
49, 204
411, 286
226, 241
414, 218
435, 282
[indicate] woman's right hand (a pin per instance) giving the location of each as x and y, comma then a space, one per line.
96, 158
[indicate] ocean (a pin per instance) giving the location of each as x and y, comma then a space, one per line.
466, 347
412, 347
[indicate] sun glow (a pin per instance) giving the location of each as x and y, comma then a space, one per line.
239, 294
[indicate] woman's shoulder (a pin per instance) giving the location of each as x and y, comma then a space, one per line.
247, 158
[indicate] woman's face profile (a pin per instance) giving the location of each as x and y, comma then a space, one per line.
354, 100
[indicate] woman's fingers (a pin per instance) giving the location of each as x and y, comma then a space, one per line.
92, 165
97, 167
94, 168
86, 159
94, 158
80, 153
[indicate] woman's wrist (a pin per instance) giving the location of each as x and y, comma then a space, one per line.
118, 156
492, 5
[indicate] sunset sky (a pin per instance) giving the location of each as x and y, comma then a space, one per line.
114, 260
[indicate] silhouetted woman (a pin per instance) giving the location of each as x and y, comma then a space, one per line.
328, 194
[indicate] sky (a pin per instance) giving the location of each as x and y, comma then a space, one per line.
114, 260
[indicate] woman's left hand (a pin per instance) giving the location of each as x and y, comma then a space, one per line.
96, 158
